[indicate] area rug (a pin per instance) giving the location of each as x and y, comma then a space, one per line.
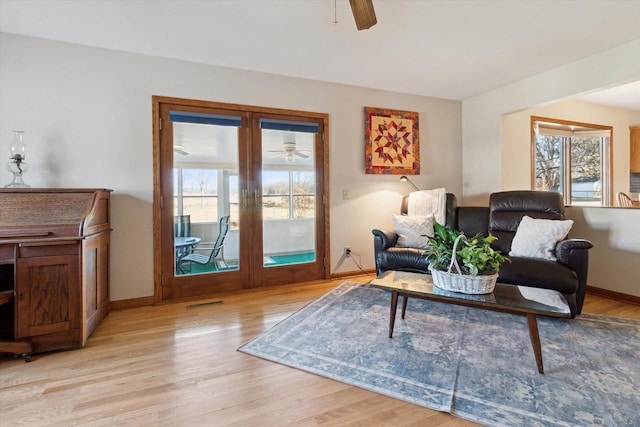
475, 364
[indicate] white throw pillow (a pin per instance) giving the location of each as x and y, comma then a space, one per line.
537, 238
413, 229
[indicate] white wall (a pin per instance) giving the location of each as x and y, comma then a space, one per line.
87, 117
488, 165
614, 260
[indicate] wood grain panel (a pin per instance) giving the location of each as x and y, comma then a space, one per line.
25, 209
7, 253
51, 284
47, 288
91, 281
95, 278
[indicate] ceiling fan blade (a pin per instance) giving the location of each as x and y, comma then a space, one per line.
179, 149
301, 155
363, 13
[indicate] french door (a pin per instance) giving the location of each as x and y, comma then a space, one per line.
239, 199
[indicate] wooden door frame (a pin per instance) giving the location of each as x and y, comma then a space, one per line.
157, 168
188, 286
267, 276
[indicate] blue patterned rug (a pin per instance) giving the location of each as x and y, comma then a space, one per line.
475, 364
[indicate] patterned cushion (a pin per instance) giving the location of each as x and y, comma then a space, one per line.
537, 238
412, 230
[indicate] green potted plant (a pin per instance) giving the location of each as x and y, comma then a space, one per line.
462, 265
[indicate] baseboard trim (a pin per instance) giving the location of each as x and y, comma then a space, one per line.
352, 273
619, 296
146, 301
131, 303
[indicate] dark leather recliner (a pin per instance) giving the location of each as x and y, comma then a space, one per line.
390, 257
567, 275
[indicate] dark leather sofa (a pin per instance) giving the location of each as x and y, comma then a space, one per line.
501, 218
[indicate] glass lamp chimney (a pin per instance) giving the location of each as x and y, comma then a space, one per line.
16, 165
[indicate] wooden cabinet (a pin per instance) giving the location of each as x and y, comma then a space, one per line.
54, 259
47, 293
634, 160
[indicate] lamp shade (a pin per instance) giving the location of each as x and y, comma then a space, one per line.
18, 146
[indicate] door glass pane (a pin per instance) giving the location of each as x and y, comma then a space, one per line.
288, 197
205, 171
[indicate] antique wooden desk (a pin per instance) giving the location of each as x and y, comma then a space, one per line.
54, 267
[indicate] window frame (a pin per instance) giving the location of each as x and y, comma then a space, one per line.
292, 192
181, 195
565, 128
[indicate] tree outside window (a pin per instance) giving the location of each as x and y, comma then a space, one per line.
548, 160
304, 190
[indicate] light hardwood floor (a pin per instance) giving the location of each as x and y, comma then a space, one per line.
177, 365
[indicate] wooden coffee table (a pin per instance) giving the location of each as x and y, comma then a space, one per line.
506, 298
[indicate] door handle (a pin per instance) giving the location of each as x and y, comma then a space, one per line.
244, 200
256, 199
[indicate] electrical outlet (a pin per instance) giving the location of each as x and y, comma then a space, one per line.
347, 251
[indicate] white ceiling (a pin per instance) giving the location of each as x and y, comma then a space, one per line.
441, 48
624, 96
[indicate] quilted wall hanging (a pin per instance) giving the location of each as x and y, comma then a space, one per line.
391, 142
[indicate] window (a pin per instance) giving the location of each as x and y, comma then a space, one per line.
573, 159
197, 195
304, 190
288, 194
275, 200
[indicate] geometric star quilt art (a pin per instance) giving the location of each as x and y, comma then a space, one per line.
391, 142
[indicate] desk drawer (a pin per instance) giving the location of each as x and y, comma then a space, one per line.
7, 254
41, 249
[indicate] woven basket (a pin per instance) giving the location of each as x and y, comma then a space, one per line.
465, 283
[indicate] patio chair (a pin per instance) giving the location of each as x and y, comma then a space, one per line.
182, 228
216, 248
